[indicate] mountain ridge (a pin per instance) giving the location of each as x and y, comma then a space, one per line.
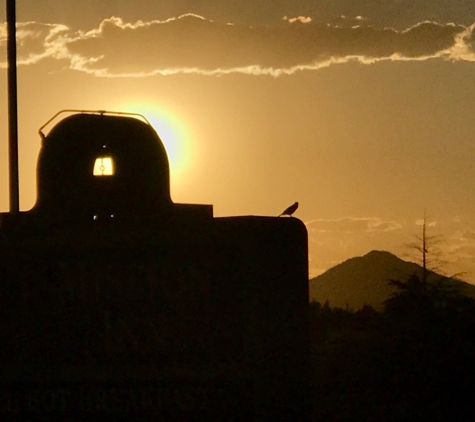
364, 280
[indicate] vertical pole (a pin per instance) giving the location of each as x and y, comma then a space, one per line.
12, 108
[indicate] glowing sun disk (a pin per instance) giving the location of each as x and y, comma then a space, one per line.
172, 133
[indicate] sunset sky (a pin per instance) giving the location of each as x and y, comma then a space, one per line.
361, 110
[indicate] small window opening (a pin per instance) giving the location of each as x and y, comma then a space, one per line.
103, 166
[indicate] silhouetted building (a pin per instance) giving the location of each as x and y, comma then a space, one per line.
116, 300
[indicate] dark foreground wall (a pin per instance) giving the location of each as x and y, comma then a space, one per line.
207, 324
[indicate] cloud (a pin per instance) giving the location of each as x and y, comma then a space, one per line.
191, 44
426, 222
462, 239
457, 251
352, 225
301, 19
36, 42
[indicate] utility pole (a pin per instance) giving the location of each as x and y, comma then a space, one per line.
12, 108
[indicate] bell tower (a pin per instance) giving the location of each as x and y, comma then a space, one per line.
102, 168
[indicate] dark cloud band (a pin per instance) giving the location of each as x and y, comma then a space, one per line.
192, 44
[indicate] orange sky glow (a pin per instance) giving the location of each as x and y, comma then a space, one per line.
364, 120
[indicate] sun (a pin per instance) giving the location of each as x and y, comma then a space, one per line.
173, 134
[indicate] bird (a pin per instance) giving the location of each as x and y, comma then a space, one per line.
290, 210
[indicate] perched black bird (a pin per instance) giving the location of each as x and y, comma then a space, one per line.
290, 210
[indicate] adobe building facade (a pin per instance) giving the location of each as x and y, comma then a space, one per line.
119, 301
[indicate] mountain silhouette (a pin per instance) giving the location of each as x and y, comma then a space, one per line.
364, 280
